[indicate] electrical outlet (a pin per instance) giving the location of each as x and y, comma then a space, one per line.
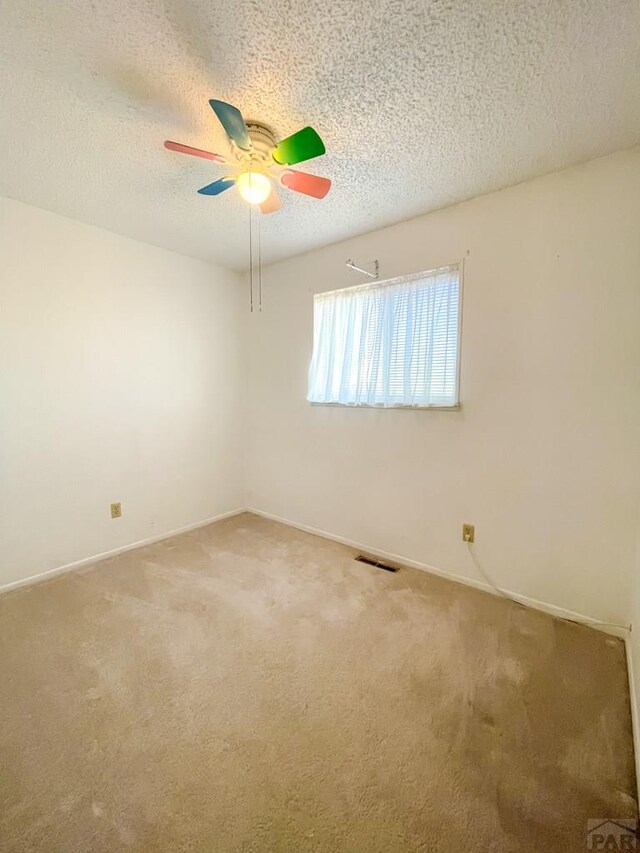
468, 533
116, 510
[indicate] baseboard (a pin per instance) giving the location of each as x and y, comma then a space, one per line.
635, 715
545, 607
96, 558
552, 609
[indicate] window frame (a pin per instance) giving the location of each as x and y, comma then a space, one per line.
455, 407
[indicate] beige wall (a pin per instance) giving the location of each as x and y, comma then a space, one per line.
544, 455
119, 381
633, 648
122, 380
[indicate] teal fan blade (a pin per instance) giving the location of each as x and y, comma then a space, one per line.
217, 187
233, 123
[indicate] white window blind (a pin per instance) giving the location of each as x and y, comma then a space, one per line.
393, 343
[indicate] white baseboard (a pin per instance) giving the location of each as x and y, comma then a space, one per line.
635, 711
552, 609
96, 558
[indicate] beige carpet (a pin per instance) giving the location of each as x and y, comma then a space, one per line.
247, 687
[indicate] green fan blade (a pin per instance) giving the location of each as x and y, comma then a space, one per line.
300, 146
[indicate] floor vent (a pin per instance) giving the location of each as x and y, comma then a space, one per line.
370, 562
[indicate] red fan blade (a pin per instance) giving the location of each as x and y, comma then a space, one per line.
272, 203
302, 182
196, 152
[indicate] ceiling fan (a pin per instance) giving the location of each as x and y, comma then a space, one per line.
260, 161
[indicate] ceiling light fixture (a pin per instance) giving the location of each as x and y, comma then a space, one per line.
254, 187
257, 164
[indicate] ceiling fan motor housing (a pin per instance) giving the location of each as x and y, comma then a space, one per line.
262, 138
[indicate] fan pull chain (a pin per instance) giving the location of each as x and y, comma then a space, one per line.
259, 267
258, 250
251, 256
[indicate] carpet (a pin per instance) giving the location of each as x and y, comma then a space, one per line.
250, 687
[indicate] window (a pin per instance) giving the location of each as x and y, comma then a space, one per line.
393, 343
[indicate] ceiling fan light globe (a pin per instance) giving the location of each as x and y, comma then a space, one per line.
254, 187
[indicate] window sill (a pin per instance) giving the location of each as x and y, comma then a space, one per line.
456, 408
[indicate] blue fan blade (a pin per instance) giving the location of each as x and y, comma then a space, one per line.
233, 123
217, 187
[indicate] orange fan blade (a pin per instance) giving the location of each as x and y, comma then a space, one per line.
272, 203
302, 182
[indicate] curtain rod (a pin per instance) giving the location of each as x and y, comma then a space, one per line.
353, 266
400, 279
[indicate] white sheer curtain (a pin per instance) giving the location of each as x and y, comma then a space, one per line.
388, 344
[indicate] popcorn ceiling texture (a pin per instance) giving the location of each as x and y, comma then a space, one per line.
421, 103
248, 687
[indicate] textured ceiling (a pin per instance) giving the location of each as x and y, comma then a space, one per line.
421, 103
